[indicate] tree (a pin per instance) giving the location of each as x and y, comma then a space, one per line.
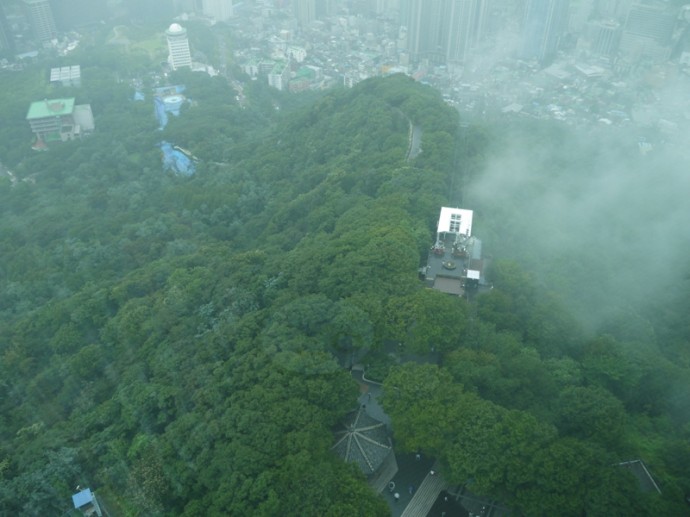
492, 448
591, 413
562, 475
428, 320
420, 399
172, 339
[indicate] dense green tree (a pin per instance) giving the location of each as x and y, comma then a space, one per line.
419, 400
428, 320
591, 412
177, 343
561, 479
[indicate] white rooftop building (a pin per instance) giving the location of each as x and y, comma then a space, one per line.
454, 220
66, 75
178, 46
455, 265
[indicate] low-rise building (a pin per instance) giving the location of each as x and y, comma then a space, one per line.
85, 501
455, 264
66, 75
59, 119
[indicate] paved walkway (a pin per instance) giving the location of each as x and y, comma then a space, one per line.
371, 391
406, 482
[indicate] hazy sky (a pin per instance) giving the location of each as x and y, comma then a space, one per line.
591, 212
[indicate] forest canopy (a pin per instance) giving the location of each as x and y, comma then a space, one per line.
177, 343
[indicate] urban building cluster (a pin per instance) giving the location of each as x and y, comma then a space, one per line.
24, 24
605, 62
581, 62
60, 119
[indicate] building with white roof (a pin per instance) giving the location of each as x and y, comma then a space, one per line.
66, 75
455, 265
178, 47
455, 220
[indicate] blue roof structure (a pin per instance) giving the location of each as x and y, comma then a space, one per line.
177, 160
139, 96
173, 103
164, 91
82, 498
168, 99
161, 115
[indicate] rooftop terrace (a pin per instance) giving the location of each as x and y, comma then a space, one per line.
453, 260
50, 108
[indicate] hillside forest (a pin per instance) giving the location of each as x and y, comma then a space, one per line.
181, 345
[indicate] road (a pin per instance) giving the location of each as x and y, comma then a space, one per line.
415, 143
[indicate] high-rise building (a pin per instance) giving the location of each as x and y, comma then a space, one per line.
304, 11
467, 19
40, 16
545, 24
383, 6
647, 32
178, 46
605, 37
221, 10
426, 29
580, 12
325, 8
308, 11
611, 9
649, 21
6, 37
443, 30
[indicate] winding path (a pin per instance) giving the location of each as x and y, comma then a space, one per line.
415, 142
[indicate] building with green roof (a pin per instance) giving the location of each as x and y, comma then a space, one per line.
59, 119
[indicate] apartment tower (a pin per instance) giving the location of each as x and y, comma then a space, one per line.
546, 22
443, 30
40, 16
